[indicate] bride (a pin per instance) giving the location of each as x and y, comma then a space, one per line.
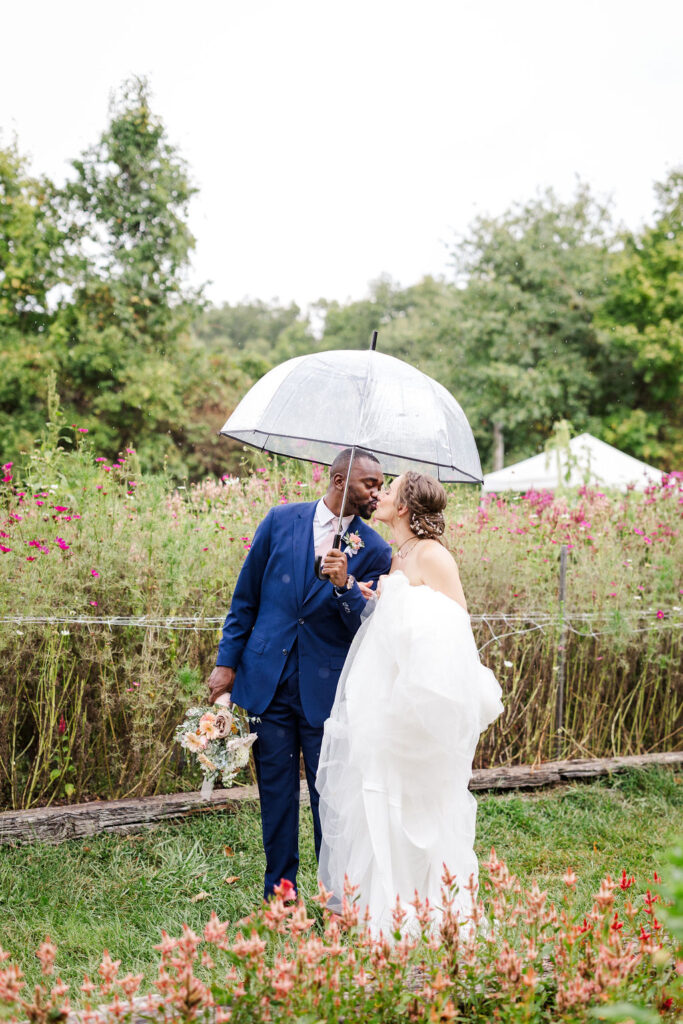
412, 701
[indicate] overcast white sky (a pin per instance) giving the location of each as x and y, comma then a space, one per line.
334, 142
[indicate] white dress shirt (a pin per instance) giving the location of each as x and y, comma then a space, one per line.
322, 522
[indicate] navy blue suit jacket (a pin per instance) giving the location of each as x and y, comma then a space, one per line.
279, 600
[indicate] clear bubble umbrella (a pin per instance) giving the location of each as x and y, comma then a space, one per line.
312, 407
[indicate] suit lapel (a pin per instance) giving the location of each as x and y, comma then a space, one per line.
303, 553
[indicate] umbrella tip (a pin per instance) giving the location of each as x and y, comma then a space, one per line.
373, 343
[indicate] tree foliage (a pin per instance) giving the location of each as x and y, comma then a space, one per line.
31, 253
128, 366
550, 314
125, 349
642, 317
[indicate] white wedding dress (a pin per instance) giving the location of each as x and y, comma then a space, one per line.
397, 752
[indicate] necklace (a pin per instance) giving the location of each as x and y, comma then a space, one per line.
415, 540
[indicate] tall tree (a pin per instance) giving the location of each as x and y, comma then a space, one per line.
31, 256
124, 345
521, 339
642, 319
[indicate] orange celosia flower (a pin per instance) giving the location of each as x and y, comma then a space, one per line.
108, 970
569, 878
46, 953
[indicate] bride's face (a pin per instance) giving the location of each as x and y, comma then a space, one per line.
386, 501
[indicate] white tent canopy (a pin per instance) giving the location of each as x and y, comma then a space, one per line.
588, 461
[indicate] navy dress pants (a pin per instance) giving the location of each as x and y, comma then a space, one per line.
282, 732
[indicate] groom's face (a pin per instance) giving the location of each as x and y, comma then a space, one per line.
365, 483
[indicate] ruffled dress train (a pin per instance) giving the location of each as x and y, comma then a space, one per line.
397, 754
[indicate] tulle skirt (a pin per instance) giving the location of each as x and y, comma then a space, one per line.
397, 754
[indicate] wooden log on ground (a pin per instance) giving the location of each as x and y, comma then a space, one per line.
550, 773
57, 824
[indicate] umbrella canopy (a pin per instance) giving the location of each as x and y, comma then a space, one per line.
588, 461
311, 407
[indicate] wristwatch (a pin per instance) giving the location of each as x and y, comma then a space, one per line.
350, 580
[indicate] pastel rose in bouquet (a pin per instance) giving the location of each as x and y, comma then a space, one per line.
220, 739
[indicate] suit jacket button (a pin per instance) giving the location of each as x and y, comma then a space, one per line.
284, 650
301, 622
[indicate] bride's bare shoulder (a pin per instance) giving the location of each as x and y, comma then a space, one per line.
439, 571
431, 552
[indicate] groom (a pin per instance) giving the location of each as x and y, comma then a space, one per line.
286, 638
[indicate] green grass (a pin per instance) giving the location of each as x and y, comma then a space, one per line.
118, 892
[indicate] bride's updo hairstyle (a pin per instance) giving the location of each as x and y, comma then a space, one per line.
425, 499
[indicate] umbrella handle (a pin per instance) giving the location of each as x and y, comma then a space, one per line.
336, 543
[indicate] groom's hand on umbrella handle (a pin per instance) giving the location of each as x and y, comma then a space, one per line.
220, 681
334, 565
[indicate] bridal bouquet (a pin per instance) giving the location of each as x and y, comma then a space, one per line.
220, 740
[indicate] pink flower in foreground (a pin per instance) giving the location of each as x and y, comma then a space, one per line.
82, 430
46, 953
94, 572
4, 549
285, 889
660, 613
109, 968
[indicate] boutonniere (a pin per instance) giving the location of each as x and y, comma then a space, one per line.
354, 542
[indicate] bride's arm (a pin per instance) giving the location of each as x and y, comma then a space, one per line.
439, 571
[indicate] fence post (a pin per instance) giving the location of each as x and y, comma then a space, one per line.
561, 654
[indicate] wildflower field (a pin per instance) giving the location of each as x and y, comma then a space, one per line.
115, 584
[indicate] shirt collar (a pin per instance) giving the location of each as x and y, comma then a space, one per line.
324, 515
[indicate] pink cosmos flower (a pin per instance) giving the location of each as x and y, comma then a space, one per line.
82, 430
660, 613
94, 572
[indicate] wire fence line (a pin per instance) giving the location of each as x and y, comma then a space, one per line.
501, 625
